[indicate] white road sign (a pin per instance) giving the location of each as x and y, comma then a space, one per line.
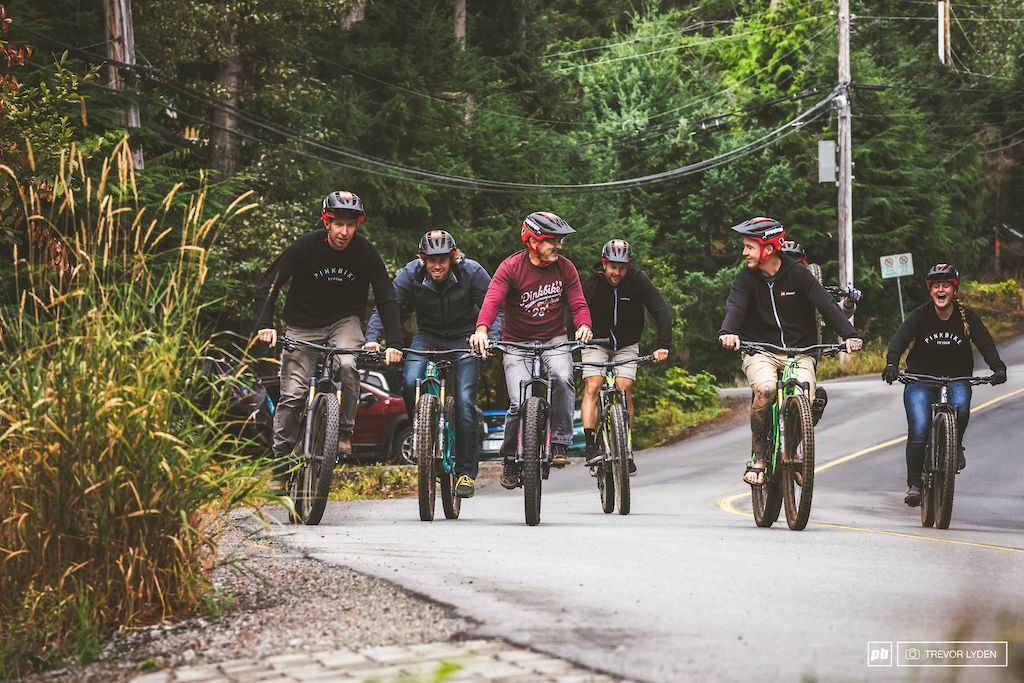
897, 265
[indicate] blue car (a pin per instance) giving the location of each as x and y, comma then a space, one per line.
495, 423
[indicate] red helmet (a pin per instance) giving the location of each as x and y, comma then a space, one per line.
765, 231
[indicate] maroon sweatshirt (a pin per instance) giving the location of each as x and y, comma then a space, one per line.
534, 298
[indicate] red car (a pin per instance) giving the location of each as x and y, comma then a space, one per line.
382, 427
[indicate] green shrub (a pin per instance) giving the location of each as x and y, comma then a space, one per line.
998, 295
667, 404
111, 462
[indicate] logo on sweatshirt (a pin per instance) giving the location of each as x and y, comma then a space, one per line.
537, 302
334, 275
943, 339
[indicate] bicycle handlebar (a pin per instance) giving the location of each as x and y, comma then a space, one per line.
613, 363
537, 346
826, 349
911, 377
290, 344
466, 353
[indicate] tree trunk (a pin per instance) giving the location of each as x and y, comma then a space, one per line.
460, 23
224, 147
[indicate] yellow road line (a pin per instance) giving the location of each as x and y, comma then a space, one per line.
726, 503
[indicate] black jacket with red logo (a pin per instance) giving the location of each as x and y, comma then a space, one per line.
781, 312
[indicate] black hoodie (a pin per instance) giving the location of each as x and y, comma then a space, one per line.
618, 312
781, 312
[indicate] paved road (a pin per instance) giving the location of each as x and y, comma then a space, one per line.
686, 588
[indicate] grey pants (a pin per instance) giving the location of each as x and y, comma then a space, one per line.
558, 365
299, 365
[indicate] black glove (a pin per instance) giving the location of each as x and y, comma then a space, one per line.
890, 373
999, 377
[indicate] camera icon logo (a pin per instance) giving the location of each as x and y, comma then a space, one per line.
913, 653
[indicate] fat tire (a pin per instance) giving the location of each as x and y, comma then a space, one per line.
319, 471
450, 502
799, 445
618, 442
424, 444
533, 429
944, 479
767, 498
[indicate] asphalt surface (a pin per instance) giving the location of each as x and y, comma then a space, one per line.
687, 588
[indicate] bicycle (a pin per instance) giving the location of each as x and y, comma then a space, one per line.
317, 450
942, 450
789, 471
533, 453
434, 434
614, 437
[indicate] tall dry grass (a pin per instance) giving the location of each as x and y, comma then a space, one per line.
113, 463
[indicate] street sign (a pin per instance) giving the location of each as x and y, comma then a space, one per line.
897, 265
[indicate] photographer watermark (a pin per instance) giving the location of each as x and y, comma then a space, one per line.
939, 653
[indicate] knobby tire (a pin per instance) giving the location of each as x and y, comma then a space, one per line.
798, 458
605, 479
533, 431
319, 471
424, 445
946, 452
451, 503
767, 498
618, 442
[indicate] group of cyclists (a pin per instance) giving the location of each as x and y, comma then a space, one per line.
536, 295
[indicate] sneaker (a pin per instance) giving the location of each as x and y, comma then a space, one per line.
818, 404
466, 487
278, 483
632, 468
592, 455
345, 443
509, 479
913, 498
961, 461
559, 455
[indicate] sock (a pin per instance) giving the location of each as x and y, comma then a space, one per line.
588, 434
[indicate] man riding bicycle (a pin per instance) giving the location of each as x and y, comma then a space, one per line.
618, 294
942, 331
772, 300
534, 286
331, 271
446, 291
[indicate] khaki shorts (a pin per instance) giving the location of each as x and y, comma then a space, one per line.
762, 367
597, 354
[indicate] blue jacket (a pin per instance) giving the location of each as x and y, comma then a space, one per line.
447, 309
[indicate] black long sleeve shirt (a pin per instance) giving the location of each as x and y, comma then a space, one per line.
942, 347
327, 285
618, 312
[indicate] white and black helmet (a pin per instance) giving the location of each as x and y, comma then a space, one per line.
342, 204
437, 243
617, 251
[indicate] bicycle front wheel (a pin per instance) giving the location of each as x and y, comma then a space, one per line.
945, 445
445, 465
319, 470
767, 498
605, 482
618, 444
798, 462
424, 445
533, 431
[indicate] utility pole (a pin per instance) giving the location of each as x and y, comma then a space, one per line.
121, 48
845, 151
945, 48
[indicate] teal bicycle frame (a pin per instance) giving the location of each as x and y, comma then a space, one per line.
446, 433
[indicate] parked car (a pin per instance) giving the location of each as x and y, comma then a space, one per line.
495, 421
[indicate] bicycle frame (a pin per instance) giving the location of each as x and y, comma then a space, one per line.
433, 381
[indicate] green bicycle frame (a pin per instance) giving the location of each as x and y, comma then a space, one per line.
784, 389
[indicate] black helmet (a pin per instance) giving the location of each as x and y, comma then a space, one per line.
437, 243
943, 272
544, 224
794, 249
617, 251
342, 204
764, 230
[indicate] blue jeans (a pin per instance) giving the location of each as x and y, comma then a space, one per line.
918, 399
462, 383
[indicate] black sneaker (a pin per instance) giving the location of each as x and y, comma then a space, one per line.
961, 461
913, 498
559, 455
509, 479
592, 455
632, 467
818, 404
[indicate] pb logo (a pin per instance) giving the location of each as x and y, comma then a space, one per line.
880, 654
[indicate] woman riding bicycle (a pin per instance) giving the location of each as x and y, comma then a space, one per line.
942, 331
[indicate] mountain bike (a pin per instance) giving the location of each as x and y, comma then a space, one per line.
316, 451
434, 433
533, 453
613, 437
789, 471
942, 450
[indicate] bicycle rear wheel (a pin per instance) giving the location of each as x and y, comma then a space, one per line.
798, 462
319, 470
618, 452
423, 447
451, 503
533, 430
945, 444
